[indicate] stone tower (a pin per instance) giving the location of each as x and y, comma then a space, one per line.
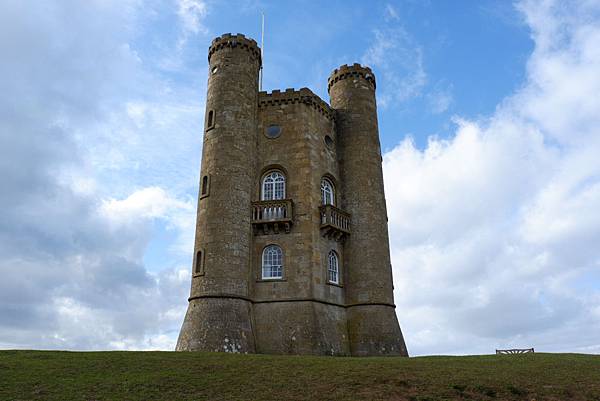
291, 253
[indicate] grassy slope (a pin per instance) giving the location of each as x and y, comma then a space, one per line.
48, 375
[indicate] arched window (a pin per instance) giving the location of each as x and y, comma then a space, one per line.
272, 262
333, 269
327, 192
273, 186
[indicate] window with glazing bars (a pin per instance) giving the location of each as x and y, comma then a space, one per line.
327, 193
273, 186
272, 262
333, 268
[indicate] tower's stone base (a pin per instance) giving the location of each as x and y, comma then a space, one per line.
301, 327
217, 325
374, 330
290, 327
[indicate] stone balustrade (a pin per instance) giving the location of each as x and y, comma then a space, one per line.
335, 223
272, 215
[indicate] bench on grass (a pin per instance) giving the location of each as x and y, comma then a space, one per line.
515, 351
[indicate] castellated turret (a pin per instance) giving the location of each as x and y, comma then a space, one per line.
291, 253
219, 316
372, 323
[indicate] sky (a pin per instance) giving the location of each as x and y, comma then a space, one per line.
489, 117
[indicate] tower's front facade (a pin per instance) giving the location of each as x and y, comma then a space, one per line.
291, 253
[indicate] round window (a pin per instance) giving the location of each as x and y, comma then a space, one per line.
273, 131
328, 141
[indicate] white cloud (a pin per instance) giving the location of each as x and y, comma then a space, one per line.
152, 202
147, 205
495, 231
191, 14
440, 98
398, 63
391, 13
566, 69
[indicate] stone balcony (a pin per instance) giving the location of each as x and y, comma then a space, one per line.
335, 223
272, 216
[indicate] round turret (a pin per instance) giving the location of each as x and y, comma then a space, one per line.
372, 323
219, 313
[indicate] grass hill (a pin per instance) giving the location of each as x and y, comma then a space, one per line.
51, 375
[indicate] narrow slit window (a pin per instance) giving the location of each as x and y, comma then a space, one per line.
199, 263
210, 121
204, 186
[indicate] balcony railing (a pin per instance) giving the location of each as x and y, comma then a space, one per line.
335, 223
272, 215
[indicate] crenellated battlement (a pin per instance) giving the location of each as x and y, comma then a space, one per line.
292, 96
348, 71
238, 40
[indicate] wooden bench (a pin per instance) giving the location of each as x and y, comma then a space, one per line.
515, 351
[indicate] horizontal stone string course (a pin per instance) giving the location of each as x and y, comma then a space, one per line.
266, 301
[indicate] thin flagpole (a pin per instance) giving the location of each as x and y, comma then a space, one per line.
262, 49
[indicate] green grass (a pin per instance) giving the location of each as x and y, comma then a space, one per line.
50, 375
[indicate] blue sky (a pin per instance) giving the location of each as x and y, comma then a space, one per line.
444, 49
489, 121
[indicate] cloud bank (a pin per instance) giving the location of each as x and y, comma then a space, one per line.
495, 231
82, 117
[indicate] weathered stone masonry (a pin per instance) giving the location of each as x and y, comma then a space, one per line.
232, 307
